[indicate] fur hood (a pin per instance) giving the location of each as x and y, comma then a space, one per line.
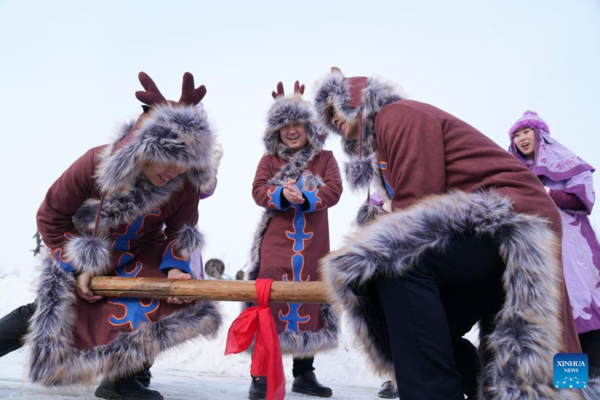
171, 133
287, 110
352, 98
519, 346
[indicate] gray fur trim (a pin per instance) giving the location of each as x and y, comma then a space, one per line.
52, 360
312, 182
527, 330
259, 233
124, 207
368, 212
333, 96
189, 239
89, 254
294, 167
305, 344
361, 173
170, 134
287, 110
592, 392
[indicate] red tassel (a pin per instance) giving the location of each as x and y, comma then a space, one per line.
266, 358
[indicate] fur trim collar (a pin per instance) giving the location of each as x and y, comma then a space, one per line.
527, 330
171, 133
286, 110
124, 206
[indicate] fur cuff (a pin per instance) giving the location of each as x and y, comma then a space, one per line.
189, 239
89, 254
312, 182
360, 173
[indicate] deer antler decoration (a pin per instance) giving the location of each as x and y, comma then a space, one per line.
298, 89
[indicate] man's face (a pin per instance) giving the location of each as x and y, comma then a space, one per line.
348, 130
524, 140
161, 174
294, 135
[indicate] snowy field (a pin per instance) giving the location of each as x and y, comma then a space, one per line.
197, 370
173, 383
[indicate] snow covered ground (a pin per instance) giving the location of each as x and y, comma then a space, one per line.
197, 370
174, 384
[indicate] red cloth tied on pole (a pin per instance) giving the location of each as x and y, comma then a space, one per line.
266, 358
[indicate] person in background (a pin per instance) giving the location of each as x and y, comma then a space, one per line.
215, 269
568, 180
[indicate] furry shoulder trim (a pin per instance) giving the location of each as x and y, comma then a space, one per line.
170, 134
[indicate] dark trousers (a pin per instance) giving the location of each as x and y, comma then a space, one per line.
302, 365
590, 345
13, 328
429, 309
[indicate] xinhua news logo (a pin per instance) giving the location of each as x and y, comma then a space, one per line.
570, 371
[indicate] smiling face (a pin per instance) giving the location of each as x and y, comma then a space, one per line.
524, 140
161, 174
294, 136
348, 130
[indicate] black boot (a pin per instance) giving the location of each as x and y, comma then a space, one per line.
388, 391
144, 377
258, 388
126, 389
307, 383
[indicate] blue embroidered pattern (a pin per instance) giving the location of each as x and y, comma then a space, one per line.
383, 165
170, 260
135, 310
298, 236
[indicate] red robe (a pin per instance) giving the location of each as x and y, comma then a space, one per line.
295, 240
140, 247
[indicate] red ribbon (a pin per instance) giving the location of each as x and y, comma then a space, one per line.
266, 358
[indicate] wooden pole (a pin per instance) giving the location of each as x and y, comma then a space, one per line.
197, 289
